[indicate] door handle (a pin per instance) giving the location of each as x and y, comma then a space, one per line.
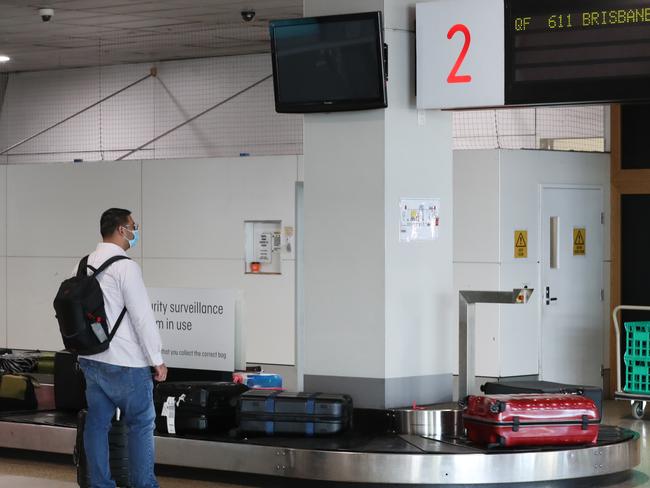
547, 296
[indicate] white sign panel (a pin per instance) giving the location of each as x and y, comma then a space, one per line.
197, 327
460, 54
419, 219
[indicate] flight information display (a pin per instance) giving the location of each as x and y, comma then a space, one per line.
565, 51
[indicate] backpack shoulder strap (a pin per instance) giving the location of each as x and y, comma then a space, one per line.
105, 265
82, 268
108, 262
117, 325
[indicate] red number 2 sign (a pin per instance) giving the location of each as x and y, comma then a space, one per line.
454, 77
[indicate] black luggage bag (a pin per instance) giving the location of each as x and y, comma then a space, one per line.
196, 406
187, 374
545, 387
307, 414
69, 382
118, 452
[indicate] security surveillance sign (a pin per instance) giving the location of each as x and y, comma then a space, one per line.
197, 327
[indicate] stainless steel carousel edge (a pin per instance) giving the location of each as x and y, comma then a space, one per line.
356, 466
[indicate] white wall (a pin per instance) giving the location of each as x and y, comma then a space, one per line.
192, 215
344, 251
496, 192
53, 220
419, 275
376, 308
3, 258
180, 90
195, 210
521, 174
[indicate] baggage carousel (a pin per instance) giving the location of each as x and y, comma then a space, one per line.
355, 457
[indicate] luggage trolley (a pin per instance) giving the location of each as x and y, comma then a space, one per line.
641, 354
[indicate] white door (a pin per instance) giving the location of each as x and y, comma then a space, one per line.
571, 282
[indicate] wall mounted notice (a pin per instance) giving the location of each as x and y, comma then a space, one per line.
521, 244
197, 327
579, 241
419, 219
264, 246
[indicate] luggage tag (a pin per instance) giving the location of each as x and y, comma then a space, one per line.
169, 411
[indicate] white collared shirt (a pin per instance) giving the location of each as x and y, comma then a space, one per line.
137, 341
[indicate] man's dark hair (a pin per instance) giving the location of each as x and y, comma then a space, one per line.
112, 219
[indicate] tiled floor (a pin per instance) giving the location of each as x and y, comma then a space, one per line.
33, 470
18, 471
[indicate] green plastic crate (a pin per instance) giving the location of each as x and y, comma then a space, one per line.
637, 357
637, 342
637, 377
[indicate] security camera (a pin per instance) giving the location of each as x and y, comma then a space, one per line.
247, 15
46, 14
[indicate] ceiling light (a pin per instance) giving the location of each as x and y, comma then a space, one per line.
4, 59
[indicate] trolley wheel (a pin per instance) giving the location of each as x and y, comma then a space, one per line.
638, 409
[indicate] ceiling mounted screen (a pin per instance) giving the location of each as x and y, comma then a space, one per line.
560, 51
332, 63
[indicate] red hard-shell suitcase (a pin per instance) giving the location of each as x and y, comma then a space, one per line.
531, 420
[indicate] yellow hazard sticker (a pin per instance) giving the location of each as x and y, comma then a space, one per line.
579, 241
521, 244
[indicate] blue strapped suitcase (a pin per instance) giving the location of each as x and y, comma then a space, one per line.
307, 414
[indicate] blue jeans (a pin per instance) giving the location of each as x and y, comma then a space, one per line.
130, 389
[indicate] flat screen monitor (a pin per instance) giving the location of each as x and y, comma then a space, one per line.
561, 51
327, 64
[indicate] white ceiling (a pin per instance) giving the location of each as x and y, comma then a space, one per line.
107, 32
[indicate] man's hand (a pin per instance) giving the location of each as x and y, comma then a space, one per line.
160, 373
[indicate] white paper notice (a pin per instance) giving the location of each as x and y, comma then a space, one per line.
419, 219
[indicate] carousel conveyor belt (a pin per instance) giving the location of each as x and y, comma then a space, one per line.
353, 457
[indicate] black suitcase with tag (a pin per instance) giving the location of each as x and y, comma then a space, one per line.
118, 453
307, 414
544, 387
69, 382
196, 406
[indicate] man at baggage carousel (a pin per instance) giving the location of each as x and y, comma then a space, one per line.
120, 377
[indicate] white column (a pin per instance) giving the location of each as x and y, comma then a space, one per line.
378, 313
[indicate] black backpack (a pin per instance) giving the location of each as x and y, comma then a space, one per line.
79, 307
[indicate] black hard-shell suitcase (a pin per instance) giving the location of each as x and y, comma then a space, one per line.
181, 375
118, 452
308, 414
69, 382
544, 387
198, 406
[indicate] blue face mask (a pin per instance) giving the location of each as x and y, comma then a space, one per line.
136, 236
